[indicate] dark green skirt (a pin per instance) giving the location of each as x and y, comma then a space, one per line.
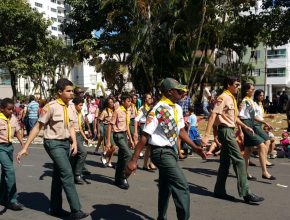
251, 140
105, 135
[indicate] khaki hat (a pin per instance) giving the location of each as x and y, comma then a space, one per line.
170, 83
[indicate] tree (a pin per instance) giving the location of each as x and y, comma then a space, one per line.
22, 33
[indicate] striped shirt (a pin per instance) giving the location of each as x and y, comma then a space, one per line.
32, 109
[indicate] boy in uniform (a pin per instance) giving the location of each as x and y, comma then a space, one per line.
119, 124
225, 118
8, 127
163, 125
58, 118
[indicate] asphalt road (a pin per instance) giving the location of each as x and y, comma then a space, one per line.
103, 200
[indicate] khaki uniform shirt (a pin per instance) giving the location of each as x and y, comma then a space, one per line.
52, 116
4, 129
118, 121
133, 112
106, 116
225, 110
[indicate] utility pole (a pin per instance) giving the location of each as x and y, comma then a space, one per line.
265, 78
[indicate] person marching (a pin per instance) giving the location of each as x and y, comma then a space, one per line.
58, 118
225, 117
78, 161
105, 119
119, 124
133, 113
163, 125
9, 126
248, 115
141, 120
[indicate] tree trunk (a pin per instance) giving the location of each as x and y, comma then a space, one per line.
13, 84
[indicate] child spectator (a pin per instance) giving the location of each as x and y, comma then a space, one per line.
285, 142
272, 152
192, 127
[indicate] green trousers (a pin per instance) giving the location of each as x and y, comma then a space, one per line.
230, 152
62, 176
78, 161
124, 154
171, 181
8, 180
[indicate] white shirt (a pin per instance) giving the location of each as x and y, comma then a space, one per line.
154, 129
247, 109
205, 94
259, 111
141, 117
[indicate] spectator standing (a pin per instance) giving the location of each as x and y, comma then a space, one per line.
206, 98
32, 113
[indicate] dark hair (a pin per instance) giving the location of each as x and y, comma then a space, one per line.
245, 88
78, 90
144, 97
62, 83
125, 95
31, 98
78, 100
229, 80
257, 94
5, 102
191, 109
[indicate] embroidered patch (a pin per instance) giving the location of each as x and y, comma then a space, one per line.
44, 110
148, 120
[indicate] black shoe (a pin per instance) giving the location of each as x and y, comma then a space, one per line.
252, 198
224, 197
15, 206
78, 215
86, 172
79, 180
269, 178
252, 178
123, 184
252, 164
270, 165
148, 169
59, 213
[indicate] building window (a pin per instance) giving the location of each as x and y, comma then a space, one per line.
53, 9
279, 53
54, 28
53, 1
38, 5
4, 77
276, 72
255, 72
53, 19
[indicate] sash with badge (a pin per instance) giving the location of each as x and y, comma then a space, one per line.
168, 124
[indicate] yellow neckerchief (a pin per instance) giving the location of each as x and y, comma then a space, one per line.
65, 112
147, 107
170, 103
235, 101
2, 116
262, 107
250, 100
134, 108
127, 114
79, 114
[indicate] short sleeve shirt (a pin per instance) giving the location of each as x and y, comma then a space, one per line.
4, 129
155, 129
52, 117
32, 109
225, 110
118, 121
259, 111
247, 109
192, 120
141, 115
105, 116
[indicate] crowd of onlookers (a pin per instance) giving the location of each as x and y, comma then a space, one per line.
27, 111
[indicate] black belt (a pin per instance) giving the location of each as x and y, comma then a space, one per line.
121, 132
156, 146
66, 139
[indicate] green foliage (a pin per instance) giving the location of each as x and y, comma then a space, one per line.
181, 39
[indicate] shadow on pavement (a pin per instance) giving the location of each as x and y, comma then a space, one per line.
34, 200
117, 212
100, 178
48, 172
3, 210
199, 190
204, 171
